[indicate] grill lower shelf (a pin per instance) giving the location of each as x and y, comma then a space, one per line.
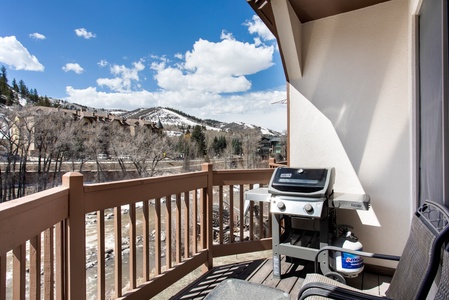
301, 238
299, 244
304, 238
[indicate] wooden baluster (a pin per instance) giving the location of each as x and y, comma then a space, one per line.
48, 264
60, 260
146, 240
187, 225
195, 222
178, 228
168, 230
118, 251
242, 217
157, 238
220, 214
3, 262
231, 213
203, 219
209, 201
35, 268
101, 282
132, 246
19, 272
251, 217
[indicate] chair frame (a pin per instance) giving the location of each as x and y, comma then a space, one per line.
434, 215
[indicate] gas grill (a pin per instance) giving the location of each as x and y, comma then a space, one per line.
300, 192
303, 212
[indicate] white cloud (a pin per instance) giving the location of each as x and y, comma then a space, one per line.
15, 55
103, 63
94, 98
226, 35
73, 67
228, 57
215, 67
37, 36
124, 77
256, 26
82, 32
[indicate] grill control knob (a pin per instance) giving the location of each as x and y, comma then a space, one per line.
281, 205
308, 208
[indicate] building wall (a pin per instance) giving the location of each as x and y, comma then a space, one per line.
352, 110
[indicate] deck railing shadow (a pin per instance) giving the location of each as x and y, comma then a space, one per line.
171, 226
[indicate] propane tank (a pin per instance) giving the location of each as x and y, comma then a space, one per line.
348, 265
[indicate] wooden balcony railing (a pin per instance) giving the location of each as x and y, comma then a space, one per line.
141, 235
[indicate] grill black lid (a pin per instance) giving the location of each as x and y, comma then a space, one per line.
302, 181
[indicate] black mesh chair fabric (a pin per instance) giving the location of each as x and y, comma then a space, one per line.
415, 260
443, 287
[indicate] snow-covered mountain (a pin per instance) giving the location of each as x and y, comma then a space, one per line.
174, 118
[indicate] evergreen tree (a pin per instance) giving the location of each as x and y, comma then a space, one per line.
23, 89
15, 87
5, 91
237, 146
34, 96
219, 144
199, 139
43, 101
3, 77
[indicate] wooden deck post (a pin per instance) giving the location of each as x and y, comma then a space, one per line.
208, 214
76, 237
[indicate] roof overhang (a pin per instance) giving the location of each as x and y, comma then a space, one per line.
299, 12
309, 10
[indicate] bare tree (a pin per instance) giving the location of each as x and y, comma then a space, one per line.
9, 132
48, 127
250, 141
77, 152
119, 145
26, 128
66, 135
96, 144
146, 150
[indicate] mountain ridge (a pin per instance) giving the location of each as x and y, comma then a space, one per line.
173, 117
169, 117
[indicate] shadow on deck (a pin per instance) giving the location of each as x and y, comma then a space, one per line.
261, 271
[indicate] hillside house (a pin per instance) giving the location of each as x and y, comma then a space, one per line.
271, 146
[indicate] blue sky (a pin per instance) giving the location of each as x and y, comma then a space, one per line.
211, 59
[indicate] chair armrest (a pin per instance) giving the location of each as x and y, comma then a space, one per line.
334, 292
360, 253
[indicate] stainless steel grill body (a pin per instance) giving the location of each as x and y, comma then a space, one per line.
303, 207
302, 221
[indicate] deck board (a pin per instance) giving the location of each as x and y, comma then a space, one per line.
261, 271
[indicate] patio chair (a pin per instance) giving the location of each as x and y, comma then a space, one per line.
443, 287
417, 267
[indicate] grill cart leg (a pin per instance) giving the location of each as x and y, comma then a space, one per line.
276, 241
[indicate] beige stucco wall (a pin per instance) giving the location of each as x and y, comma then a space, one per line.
352, 110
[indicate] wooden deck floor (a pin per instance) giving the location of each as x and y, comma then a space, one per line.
261, 271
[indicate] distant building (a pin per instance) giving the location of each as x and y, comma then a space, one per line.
89, 120
270, 146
